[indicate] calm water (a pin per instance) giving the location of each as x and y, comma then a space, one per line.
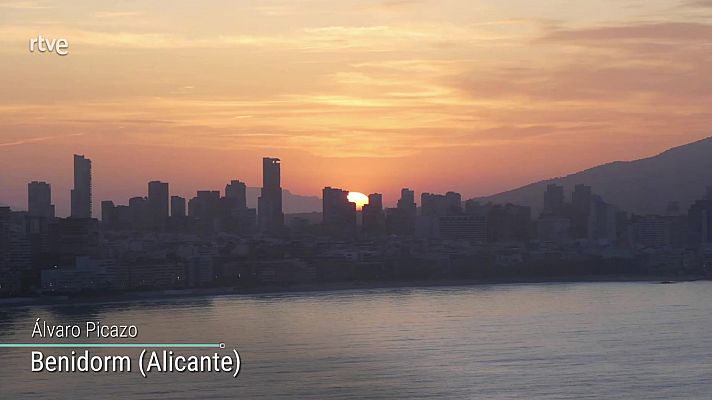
535, 341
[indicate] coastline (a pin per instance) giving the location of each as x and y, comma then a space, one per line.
330, 287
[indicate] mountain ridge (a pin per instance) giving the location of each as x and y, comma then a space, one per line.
643, 186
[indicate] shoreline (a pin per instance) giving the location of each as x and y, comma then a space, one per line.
331, 287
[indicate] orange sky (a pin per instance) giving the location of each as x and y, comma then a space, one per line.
371, 96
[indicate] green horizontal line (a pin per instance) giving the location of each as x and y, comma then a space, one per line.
111, 345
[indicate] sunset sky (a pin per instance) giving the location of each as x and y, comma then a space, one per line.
476, 96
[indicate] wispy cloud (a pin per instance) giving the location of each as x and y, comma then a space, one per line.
27, 5
699, 4
663, 31
37, 139
117, 14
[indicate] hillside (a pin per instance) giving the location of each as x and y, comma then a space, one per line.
641, 186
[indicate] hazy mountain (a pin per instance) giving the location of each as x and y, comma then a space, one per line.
291, 203
641, 186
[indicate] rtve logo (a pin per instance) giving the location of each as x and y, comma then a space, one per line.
44, 45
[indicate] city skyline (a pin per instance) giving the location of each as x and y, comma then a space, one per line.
83, 172
368, 95
151, 242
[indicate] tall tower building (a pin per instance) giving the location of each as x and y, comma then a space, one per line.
158, 201
269, 205
81, 194
39, 200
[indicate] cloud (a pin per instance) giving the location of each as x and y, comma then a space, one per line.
659, 32
26, 5
117, 14
699, 4
36, 139
337, 38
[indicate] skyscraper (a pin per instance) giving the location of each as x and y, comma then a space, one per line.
401, 220
700, 223
336, 208
158, 202
438, 205
205, 205
407, 200
374, 219
81, 194
269, 205
39, 200
236, 191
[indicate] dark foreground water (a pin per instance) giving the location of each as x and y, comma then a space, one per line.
532, 341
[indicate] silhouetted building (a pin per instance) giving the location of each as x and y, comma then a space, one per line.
158, 203
602, 224
236, 191
401, 220
656, 231
506, 223
462, 227
244, 220
580, 211
269, 204
39, 200
554, 200
133, 216
81, 194
374, 219
339, 215
73, 237
552, 228
700, 224
177, 206
9, 282
235, 216
407, 200
205, 207
108, 214
437, 205
15, 250
140, 212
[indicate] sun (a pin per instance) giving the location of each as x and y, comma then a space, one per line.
359, 198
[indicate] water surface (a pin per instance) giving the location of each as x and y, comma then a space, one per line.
533, 341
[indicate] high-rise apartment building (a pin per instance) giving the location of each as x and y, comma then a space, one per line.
177, 206
81, 194
269, 205
158, 202
39, 200
236, 191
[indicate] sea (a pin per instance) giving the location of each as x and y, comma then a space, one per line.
612, 340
